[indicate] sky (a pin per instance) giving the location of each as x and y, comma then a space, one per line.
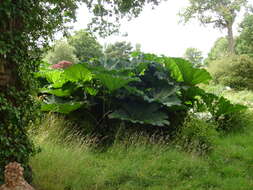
159, 31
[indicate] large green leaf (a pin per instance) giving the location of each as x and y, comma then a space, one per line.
114, 82
142, 113
216, 105
225, 107
166, 96
54, 77
183, 71
66, 107
57, 92
77, 73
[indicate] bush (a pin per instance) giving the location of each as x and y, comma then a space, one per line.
235, 122
197, 135
234, 71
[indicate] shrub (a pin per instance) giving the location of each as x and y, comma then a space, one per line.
234, 71
235, 122
197, 135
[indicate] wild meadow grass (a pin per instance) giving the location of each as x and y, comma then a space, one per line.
70, 162
244, 97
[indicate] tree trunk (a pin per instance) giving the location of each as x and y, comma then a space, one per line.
230, 37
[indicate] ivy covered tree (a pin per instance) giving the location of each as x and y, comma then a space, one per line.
25, 28
220, 13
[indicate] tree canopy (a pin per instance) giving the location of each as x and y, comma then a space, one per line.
219, 50
107, 14
244, 41
220, 13
61, 51
194, 56
86, 46
119, 50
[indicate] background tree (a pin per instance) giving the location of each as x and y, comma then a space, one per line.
61, 51
219, 50
118, 55
119, 50
86, 46
138, 47
108, 13
244, 42
220, 13
195, 56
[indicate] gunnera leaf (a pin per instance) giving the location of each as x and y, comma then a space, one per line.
114, 82
77, 73
55, 104
142, 113
183, 71
57, 92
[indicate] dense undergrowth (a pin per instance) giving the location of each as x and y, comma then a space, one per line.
154, 124
151, 93
69, 161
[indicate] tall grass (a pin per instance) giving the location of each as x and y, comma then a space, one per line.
69, 162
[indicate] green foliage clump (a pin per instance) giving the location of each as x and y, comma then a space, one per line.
154, 93
244, 41
195, 56
218, 51
234, 71
85, 45
15, 144
119, 50
143, 94
61, 51
197, 135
